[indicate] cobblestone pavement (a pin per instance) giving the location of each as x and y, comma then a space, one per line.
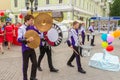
11, 64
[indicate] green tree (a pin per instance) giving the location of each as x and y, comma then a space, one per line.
115, 8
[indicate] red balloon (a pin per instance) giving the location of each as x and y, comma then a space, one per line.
20, 16
2, 13
110, 48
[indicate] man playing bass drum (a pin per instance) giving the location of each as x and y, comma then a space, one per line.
45, 48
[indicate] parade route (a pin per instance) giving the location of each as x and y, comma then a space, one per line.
11, 64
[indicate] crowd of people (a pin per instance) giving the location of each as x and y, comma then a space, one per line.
8, 35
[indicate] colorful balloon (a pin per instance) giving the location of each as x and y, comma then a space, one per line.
2, 13
8, 19
104, 44
20, 16
110, 38
110, 48
109, 43
104, 37
116, 33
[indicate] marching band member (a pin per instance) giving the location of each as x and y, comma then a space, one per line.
27, 52
73, 42
45, 48
82, 31
91, 29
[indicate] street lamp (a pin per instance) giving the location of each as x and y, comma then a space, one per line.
109, 1
31, 7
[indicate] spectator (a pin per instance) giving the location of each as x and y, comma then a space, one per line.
1, 39
15, 42
9, 32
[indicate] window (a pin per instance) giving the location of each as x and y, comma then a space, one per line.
16, 18
75, 2
16, 3
87, 5
47, 1
60, 1
82, 3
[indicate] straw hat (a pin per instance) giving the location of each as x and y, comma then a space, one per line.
36, 42
43, 22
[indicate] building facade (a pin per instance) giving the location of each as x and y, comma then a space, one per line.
72, 9
5, 4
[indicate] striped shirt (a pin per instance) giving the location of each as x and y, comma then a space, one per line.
73, 37
91, 29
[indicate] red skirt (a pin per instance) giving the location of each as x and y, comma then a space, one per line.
1, 39
9, 38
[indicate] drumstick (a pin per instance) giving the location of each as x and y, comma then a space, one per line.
75, 51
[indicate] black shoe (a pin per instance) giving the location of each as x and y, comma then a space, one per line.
39, 68
54, 70
2, 52
33, 79
69, 64
92, 44
82, 71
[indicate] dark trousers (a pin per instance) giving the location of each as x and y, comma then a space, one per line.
81, 51
26, 55
78, 61
83, 40
47, 50
87, 37
92, 40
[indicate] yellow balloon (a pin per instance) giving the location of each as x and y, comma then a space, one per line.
104, 44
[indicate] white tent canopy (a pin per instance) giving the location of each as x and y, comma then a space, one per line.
60, 7
71, 21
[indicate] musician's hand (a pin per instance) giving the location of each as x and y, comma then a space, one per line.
30, 39
81, 43
71, 46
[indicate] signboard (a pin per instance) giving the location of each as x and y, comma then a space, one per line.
105, 18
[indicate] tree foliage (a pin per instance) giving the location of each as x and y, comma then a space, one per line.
115, 8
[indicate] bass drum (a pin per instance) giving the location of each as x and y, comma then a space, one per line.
54, 36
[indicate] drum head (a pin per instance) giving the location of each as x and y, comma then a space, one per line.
54, 35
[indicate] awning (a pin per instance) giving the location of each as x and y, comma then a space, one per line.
67, 21
71, 21
60, 7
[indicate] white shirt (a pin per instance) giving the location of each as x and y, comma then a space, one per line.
74, 34
82, 29
22, 31
91, 28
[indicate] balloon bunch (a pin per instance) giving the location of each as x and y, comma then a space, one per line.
107, 41
2, 13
